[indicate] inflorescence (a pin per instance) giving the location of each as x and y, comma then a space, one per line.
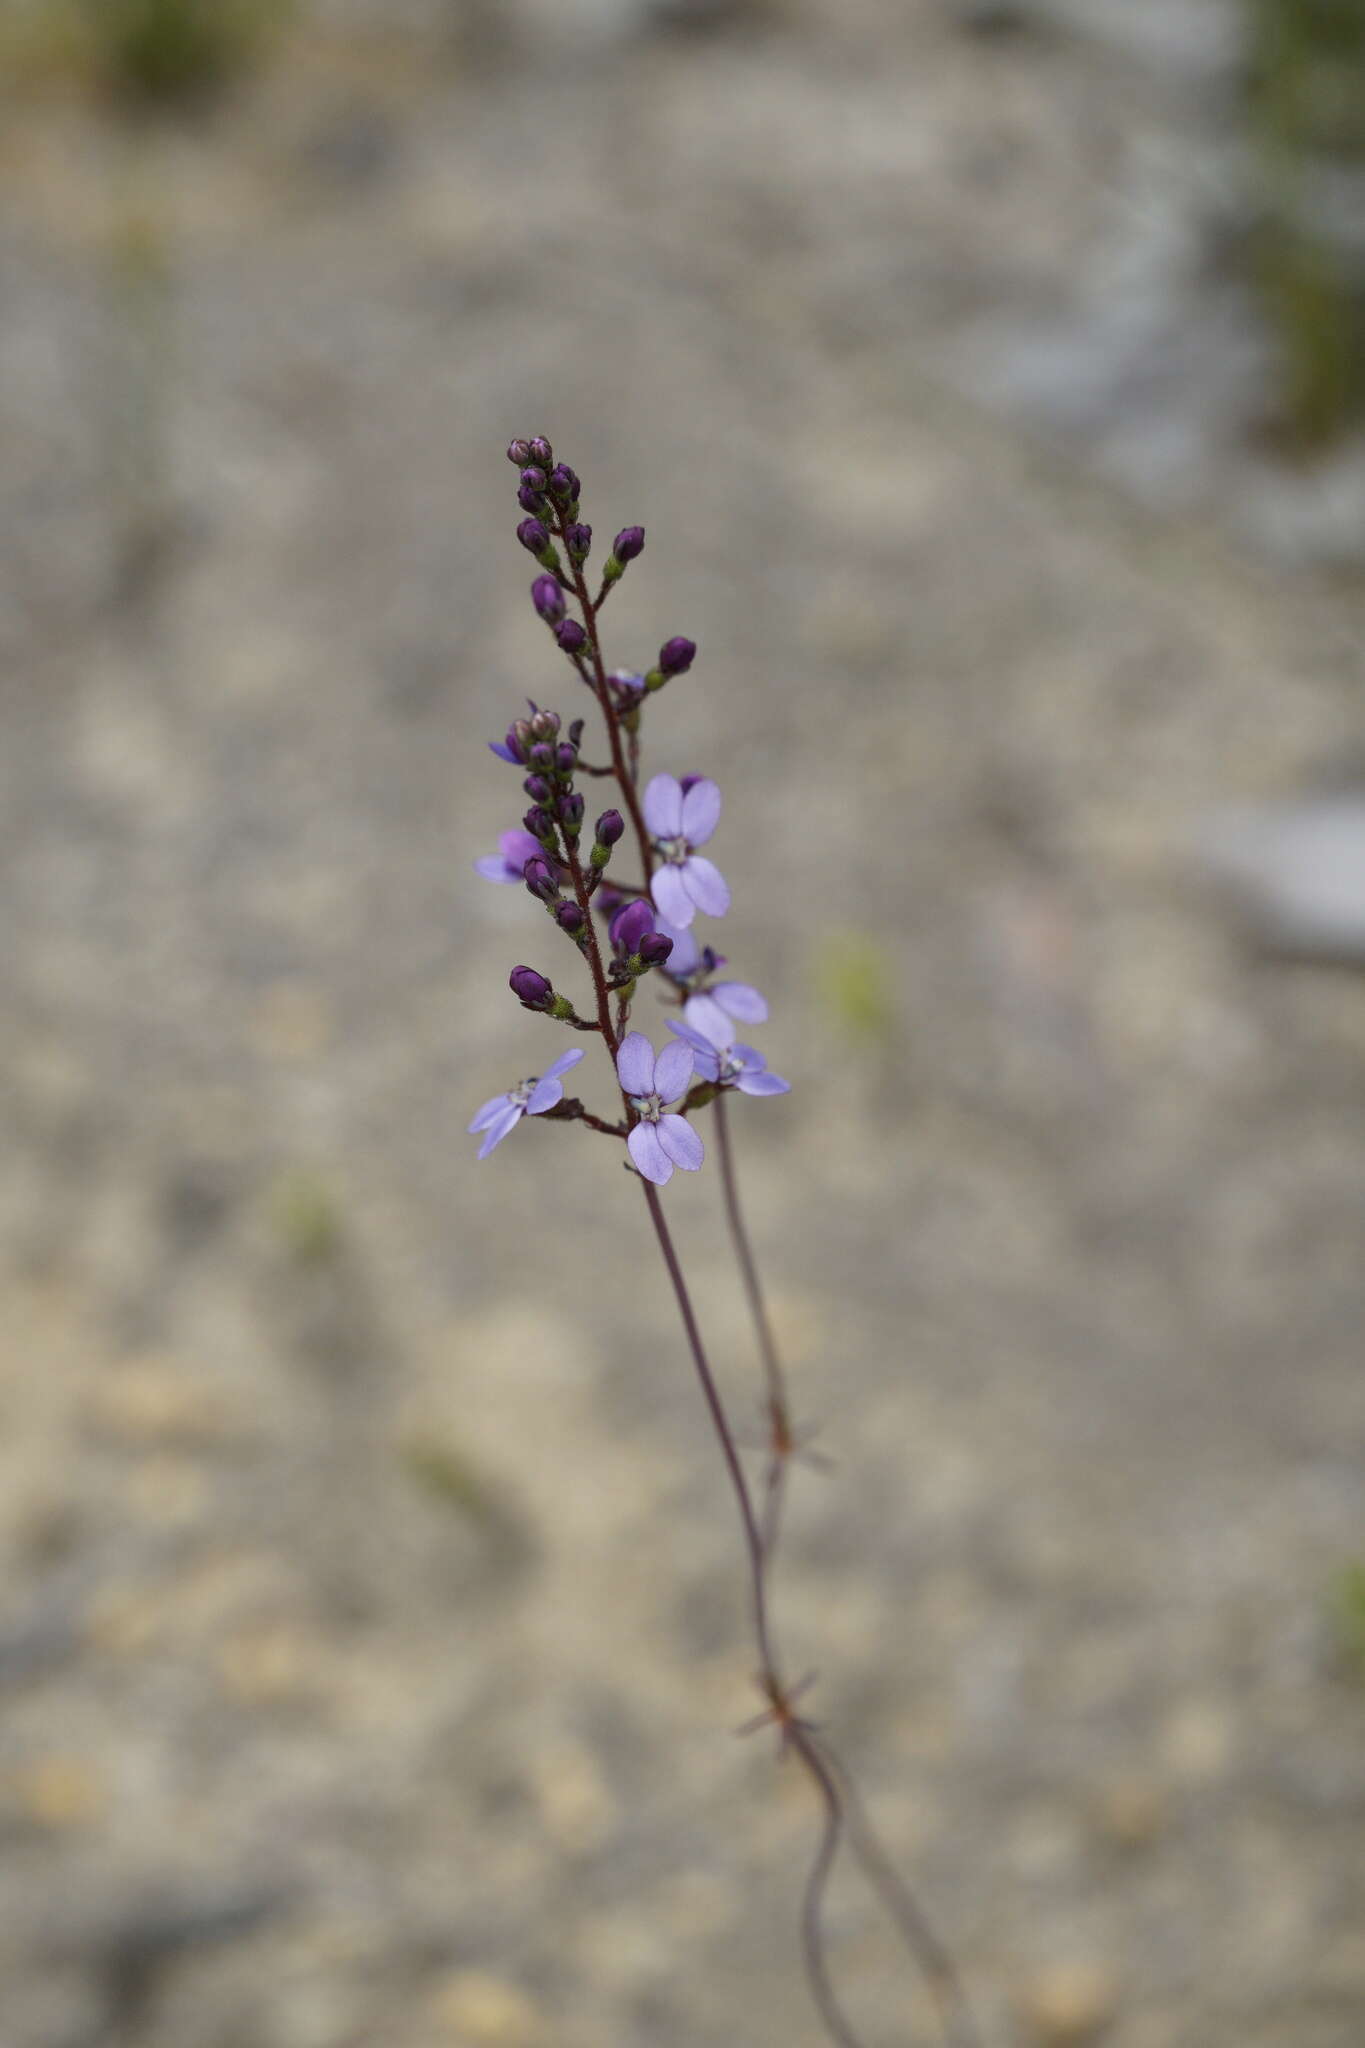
624, 932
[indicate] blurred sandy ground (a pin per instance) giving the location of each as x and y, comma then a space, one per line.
372, 1617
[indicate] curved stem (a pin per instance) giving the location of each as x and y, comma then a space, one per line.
753, 1539
779, 1416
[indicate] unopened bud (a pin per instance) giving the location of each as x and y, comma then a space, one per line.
540, 879
538, 789
534, 536
548, 599
609, 828
578, 540
566, 758
569, 917
533, 479
655, 948
542, 452
629, 543
571, 636
519, 453
529, 500
676, 656
629, 926
545, 724
571, 814
530, 988
539, 823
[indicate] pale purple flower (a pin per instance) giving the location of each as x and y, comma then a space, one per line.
502, 1113
660, 1140
515, 848
681, 821
717, 1058
739, 999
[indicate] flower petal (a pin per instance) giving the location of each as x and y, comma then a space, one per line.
762, 1083
681, 1143
650, 1158
546, 1093
690, 1037
518, 847
564, 1062
496, 1132
706, 885
685, 954
494, 1107
672, 1071
700, 811
738, 999
670, 894
502, 750
635, 1064
494, 868
705, 1015
664, 806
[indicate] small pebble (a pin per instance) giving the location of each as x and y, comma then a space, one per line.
1067, 2005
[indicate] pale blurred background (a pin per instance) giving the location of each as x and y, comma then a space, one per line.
988, 376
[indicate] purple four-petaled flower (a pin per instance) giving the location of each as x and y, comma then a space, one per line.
515, 848
661, 1139
529, 1098
680, 821
717, 1058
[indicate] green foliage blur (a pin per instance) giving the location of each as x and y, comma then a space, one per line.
854, 988
1307, 106
142, 53
1348, 1615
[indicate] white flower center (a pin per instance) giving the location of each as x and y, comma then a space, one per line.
648, 1108
730, 1065
521, 1094
674, 851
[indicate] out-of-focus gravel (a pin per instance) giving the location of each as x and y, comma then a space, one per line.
373, 1622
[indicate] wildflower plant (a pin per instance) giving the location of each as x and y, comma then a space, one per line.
629, 930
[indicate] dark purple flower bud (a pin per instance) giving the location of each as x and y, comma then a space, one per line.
676, 656
629, 926
654, 948
576, 731
566, 759
533, 479
529, 500
540, 879
579, 541
538, 822
561, 483
609, 828
569, 917
571, 813
534, 536
542, 452
571, 636
519, 453
530, 988
629, 543
541, 755
545, 724
538, 789
514, 742
548, 599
